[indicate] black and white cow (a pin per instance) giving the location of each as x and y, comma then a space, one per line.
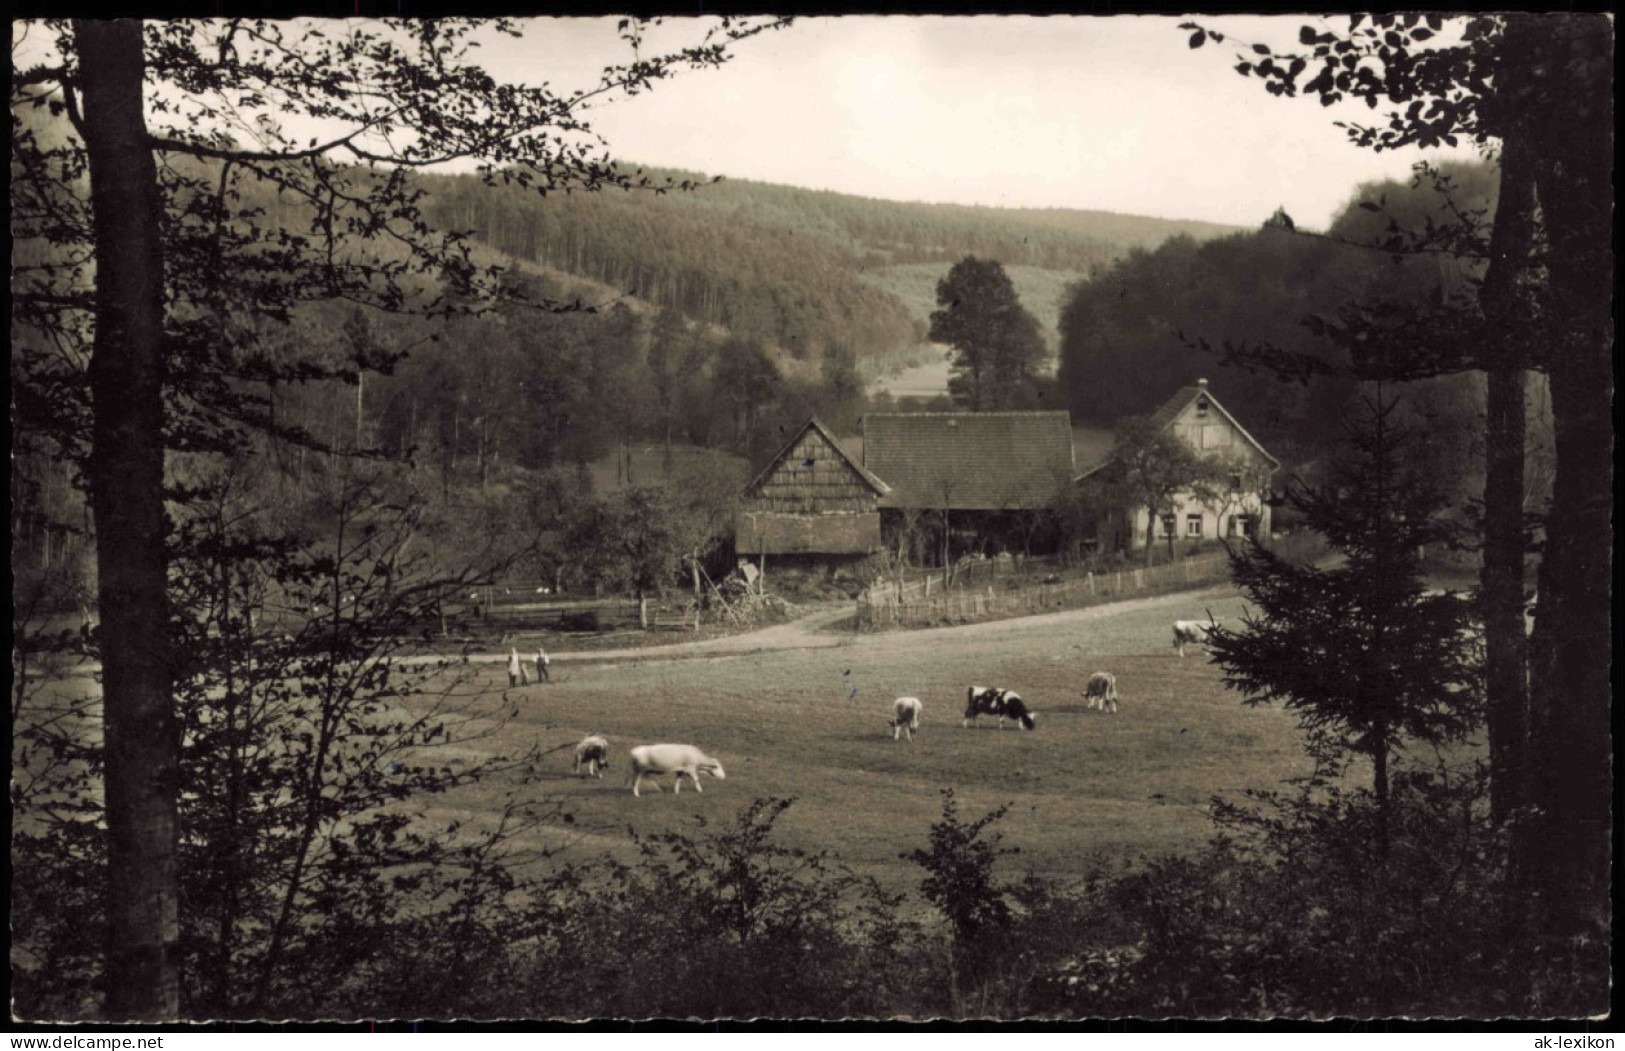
1004, 704
1101, 691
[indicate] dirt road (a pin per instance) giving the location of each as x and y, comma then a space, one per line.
814, 631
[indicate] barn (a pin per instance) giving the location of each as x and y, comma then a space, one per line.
978, 481
813, 507
1195, 416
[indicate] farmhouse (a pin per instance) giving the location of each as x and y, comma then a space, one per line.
1238, 508
812, 506
934, 484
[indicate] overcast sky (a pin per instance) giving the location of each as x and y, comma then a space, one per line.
1114, 113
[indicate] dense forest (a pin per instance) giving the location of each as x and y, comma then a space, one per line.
797, 268
1170, 313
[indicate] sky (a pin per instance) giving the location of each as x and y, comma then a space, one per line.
1113, 113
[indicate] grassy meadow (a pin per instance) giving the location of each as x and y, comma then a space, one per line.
811, 724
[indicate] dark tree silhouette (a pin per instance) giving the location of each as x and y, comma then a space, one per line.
171, 263
996, 341
1362, 652
1540, 87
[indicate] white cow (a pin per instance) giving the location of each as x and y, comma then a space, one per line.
905, 717
1191, 632
593, 753
679, 759
1101, 691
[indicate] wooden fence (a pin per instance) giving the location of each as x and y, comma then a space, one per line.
882, 610
968, 572
522, 605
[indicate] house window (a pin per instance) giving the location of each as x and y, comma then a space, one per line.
1201, 408
1230, 526
1249, 524
1235, 483
1193, 525
1168, 525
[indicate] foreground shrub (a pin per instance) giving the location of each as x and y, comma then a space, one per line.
723, 925
1295, 912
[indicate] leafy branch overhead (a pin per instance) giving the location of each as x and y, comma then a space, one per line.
1408, 60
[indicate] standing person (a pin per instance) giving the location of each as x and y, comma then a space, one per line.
516, 669
542, 661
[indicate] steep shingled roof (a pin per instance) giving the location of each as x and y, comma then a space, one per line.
981, 461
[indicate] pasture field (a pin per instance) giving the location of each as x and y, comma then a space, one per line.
810, 723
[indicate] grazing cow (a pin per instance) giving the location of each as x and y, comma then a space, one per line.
990, 700
679, 759
1101, 691
593, 752
905, 717
1191, 632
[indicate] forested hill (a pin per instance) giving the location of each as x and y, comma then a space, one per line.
800, 268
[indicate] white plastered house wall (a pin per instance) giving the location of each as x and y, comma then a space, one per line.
1205, 425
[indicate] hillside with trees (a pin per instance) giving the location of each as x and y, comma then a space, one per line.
798, 269
1169, 313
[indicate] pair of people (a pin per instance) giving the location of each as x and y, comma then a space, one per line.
518, 676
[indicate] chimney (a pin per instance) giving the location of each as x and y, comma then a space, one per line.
1202, 384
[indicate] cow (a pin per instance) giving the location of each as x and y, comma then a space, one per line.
680, 759
1101, 691
990, 700
593, 753
1191, 632
905, 717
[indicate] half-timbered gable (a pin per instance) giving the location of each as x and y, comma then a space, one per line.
811, 499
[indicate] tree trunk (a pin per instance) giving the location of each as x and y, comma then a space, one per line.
126, 473
1501, 580
1379, 784
699, 597
1574, 786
